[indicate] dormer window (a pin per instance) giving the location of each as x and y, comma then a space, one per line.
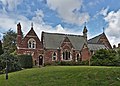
31, 43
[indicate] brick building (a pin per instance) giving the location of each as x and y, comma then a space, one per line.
59, 47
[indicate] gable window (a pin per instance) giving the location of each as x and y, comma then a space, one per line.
54, 56
31, 43
66, 55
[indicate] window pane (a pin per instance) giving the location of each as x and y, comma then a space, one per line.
29, 44
66, 56
63, 55
33, 46
54, 56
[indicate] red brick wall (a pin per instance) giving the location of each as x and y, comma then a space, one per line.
46, 53
34, 52
48, 56
85, 54
23, 45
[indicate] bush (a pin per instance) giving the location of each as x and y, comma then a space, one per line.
25, 61
68, 63
12, 63
105, 58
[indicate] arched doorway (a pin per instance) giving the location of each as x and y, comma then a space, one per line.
40, 60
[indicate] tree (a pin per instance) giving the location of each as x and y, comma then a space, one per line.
104, 58
117, 62
1, 51
9, 40
12, 61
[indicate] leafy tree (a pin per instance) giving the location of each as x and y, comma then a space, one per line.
12, 61
1, 51
9, 41
118, 52
104, 57
117, 62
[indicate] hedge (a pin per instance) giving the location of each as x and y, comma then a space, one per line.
25, 61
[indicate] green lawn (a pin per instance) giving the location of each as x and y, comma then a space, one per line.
64, 76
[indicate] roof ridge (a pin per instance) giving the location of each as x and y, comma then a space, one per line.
29, 33
63, 34
96, 36
96, 43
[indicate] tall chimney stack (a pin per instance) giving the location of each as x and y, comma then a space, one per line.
19, 35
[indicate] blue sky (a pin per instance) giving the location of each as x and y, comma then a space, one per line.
62, 16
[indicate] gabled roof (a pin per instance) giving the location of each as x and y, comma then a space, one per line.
95, 39
65, 40
54, 40
95, 47
31, 33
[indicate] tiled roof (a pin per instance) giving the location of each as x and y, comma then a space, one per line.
54, 40
95, 39
95, 47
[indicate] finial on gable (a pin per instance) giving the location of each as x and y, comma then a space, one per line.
85, 32
85, 29
85, 23
32, 25
103, 30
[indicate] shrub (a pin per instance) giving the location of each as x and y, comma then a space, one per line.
105, 58
12, 62
25, 61
68, 63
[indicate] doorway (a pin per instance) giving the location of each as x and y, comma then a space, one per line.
40, 60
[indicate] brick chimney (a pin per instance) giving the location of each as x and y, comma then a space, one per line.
19, 35
114, 46
119, 45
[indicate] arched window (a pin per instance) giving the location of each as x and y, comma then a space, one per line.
77, 57
54, 56
31, 43
66, 55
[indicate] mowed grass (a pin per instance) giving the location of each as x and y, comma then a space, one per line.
64, 76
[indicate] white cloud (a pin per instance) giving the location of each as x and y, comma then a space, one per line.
68, 10
95, 2
59, 28
9, 20
113, 29
6, 21
104, 11
11, 4
39, 15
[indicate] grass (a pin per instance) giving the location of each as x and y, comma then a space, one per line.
64, 76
